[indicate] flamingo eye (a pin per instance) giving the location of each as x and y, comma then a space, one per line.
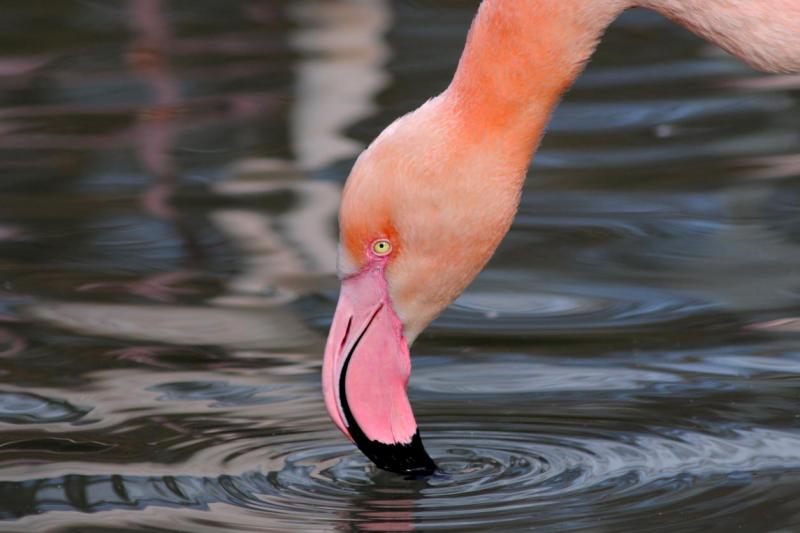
381, 247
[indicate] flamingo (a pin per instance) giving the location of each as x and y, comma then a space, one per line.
430, 199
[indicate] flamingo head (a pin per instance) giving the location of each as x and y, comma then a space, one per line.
422, 211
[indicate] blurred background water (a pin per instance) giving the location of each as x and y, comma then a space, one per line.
170, 172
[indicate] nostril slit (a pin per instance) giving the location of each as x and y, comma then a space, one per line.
346, 334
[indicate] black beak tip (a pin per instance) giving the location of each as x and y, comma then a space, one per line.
410, 459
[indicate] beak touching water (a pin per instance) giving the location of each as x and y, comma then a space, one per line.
365, 374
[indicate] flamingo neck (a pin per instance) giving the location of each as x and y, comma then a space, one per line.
521, 55
519, 59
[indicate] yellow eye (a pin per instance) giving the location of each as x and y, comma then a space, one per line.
381, 247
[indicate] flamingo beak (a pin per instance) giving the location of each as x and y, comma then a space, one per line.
365, 373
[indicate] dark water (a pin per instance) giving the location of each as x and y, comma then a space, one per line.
629, 361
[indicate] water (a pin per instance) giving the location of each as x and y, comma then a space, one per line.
170, 176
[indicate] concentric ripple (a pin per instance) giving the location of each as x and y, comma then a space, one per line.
499, 473
557, 310
495, 474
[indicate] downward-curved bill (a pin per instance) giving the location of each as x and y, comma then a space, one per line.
364, 377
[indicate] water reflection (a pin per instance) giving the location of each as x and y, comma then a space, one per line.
159, 123
172, 172
558, 478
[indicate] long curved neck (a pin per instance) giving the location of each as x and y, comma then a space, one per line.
520, 57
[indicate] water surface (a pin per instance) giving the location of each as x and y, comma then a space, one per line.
629, 360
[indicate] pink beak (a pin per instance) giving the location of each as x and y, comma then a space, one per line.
365, 374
